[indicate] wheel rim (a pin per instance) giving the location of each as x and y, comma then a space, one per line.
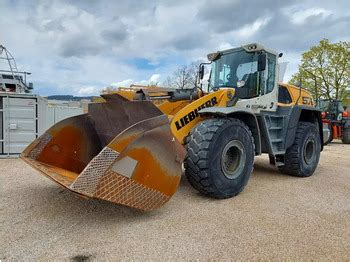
233, 159
309, 151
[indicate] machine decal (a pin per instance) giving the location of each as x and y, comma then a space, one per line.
194, 113
307, 100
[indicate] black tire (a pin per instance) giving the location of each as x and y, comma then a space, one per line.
330, 139
220, 157
346, 135
301, 159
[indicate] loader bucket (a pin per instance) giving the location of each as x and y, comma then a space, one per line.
120, 151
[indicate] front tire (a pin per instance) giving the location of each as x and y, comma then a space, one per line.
220, 157
301, 159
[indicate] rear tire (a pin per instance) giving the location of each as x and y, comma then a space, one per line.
346, 135
220, 157
301, 159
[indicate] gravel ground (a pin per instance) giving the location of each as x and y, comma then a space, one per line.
276, 217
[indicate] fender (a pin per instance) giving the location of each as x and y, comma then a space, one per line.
245, 115
188, 117
302, 113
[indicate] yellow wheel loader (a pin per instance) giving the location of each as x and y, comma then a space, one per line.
129, 151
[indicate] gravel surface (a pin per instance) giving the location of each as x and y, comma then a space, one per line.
276, 217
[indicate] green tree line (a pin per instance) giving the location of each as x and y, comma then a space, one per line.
325, 70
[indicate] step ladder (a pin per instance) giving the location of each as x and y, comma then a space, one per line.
276, 131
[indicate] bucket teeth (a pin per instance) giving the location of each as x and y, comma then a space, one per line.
139, 167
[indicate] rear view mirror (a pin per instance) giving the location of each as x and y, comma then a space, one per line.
261, 62
201, 72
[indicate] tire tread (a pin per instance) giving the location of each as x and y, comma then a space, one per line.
292, 161
197, 144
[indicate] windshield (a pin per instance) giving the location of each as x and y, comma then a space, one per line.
239, 70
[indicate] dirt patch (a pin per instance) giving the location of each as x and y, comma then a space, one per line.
276, 217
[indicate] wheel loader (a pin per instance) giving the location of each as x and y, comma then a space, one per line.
132, 152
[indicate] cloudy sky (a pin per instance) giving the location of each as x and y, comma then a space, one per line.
79, 47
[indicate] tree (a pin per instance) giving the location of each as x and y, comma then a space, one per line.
168, 82
325, 70
153, 84
183, 77
193, 71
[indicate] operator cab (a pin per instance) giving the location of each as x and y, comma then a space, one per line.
251, 70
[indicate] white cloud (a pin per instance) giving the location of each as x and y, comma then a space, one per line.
89, 90
154, 78
225, 46
250, 29
123, 83
299, 17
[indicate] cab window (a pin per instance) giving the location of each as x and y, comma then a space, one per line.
271, 73
237, 69
283, 95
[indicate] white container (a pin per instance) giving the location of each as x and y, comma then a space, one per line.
19, 121
57, 113
24, 117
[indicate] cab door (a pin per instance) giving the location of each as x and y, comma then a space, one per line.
267, 99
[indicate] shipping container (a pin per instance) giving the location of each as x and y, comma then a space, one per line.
57, 113
20, 123
24, 117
